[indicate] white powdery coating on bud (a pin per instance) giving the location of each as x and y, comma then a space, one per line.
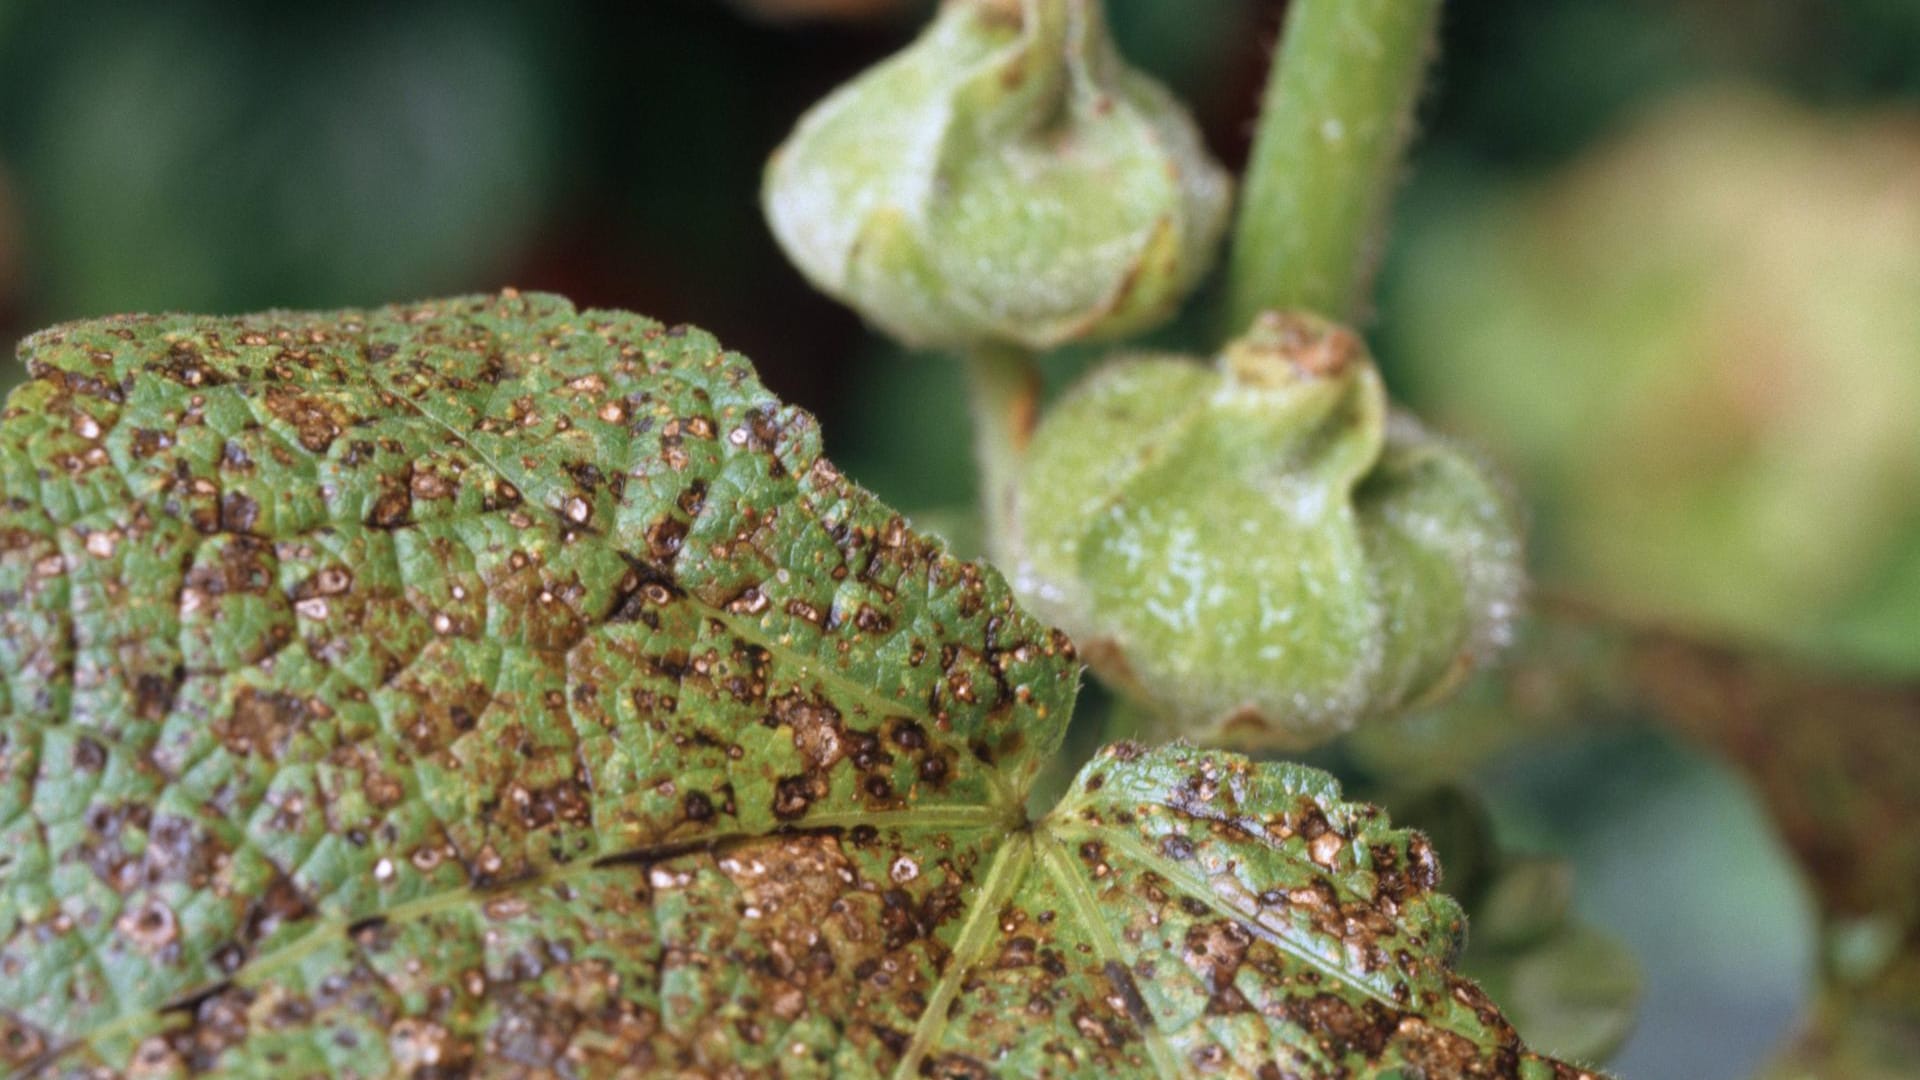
1493, 561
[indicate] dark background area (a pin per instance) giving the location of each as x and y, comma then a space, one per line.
223, 157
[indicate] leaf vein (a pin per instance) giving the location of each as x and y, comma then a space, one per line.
1003, 796
1008, 868
1198, 889
1087, 910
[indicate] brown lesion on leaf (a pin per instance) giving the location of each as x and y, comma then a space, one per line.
328, 581
183, 850
819, 734
216, 1021
793, 796
109, 842
152, 928
182, 363
422, 1048
1398, 881
955, 1066
1102, 1028
534, 809
434, 481
793, 890
806, 612
239, 512
446, 706
21, 1043
275, 908
1214, 950
1365, 1030
393, 507
239, 565
1018, 951
235, 458
263, 722
1124, 987
316, 420
537, 605
500, 495
70, 384
643, 591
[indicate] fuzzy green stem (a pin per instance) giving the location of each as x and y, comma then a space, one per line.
1005, 387
1336, 116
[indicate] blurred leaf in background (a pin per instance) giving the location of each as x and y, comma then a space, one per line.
1699, 346
1674, 853
1525, 85
1671, 855
1674, 857
1564, 983
222, 156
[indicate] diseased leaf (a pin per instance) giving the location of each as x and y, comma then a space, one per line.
1571, 987
1856, 1036
1830, 753
488, 687
1568, 987
1265, 924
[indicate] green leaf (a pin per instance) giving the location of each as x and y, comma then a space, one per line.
488, 686
1569, 988
1574, 991
1572, 988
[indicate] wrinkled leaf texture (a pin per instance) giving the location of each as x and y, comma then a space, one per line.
489, 687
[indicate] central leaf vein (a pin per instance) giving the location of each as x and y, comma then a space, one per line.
1086, 910
1008, 868
1197, 888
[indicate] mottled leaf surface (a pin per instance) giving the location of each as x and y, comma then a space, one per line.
489, 687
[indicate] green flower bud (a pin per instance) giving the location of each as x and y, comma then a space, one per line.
1006, 179
1263, 552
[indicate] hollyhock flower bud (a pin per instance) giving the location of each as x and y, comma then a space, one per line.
1006, 179
1262, 551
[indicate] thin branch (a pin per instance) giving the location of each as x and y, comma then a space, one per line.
1005, 387
1335, 119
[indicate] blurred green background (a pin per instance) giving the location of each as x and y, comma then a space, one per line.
1596, 272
